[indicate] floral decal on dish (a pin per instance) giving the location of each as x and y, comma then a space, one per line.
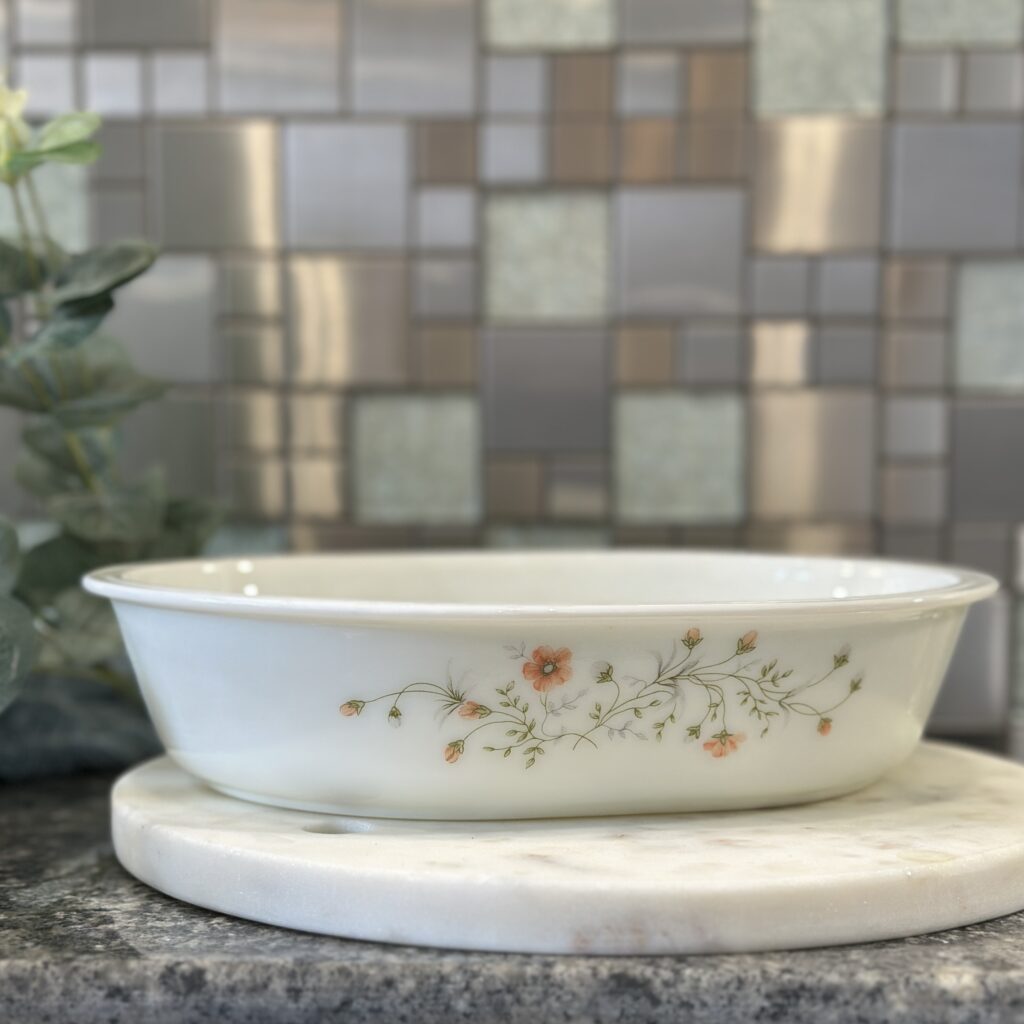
686, 692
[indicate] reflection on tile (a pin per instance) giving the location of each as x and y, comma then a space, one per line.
336, 304
176, 433
820, 57
684, 21
926, 83
256, 489
249, 286
715, 149
237, 205
711, 352
647, 149
416, 459
986, 449
415, 57
549, 24
515, 487
818, 185
547, 256
913, 494
578, 487
317, 488
165, 319
848, 285
780, 286
648, 82
546, 389
46, 22
717, 82
446, 151
914, 428
934, 22
445, 218
63, 192
995, 82
916, 289
113, 84
982, 546
643, 354
990, 326
679, 458
447, 356
50, 82
180, 83
581, 152
515, 85
914, 358
254, 421
560, 538
680, 250
444, 287
145, 22
254, 353
346, 185
814, 454
847, 353
952, 185
780, 352
511, 151
812, 538
316, 421
582, 85
118, 213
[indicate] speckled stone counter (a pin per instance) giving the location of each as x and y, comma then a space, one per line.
82, 942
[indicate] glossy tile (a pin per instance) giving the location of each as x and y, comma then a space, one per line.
414, 56
145, 23
447, 356
254, 421
515, 487
716, 149
416, 460
446, 218
113, 84
926, 82
547, 257
256, 490
582, 152
180, 83
983, 546
237, 205
444, 287
711, 353
549, 24
679, 457
317, 488
582, 85
717, 82
914, 357
818, 185
989, 353
545, 389
916, 289
347, 185
46, 22
683, 21
516, 85
913, 493
813, 454
847, 353
270, 59
336, 304
779, 286
848, 285
679, 250
826, 56
961, 22
914, 427
994, 82
249, 286
577, 488
643, 354
50, 81
648, 150
985, 449
952, 184
254, 353
316, 421
446, 152
781, 353
512, 151
649, 82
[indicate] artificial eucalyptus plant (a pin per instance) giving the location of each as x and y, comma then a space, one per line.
73, 384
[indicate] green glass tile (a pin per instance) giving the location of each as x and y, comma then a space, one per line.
549, 24
932, 22
828, 55
990, 326
679, 458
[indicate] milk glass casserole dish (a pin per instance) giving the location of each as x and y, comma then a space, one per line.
520, 685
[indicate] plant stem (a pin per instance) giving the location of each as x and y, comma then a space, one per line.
81, 461
54, 254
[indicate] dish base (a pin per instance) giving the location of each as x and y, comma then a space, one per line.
937, 844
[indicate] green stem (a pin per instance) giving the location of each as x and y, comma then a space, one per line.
39, 212
81, 462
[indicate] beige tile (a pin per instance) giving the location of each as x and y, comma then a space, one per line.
780, 352
447, 356
578, 488
254, 353
913, 493
813, 538
446, 152
917, 289
254, 421
250, 286
256, 489
643, 355
582, 84
647, 149
914, 357
717, 81
316, 421
514, 488
341, 537
716, 148
581, 152
317, 488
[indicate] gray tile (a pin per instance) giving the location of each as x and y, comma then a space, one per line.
913, 493
447, 356
216, 185
416, 460
46, 22
414, 56
813, 454
444, 287
121, 152
256, 489
847, 353
952, 185
926, 82
914, 357
180, 83
781, 353
254, 421
118, 213
578, 487
915, 427
994, 82
113, 84
254, 353
336, 305
648, 82
515, 488
821, 57
963, 22
679, 457
913, 542
683, 21
516, 85
347, 185
559, 538
446, 218
316, 421
779, 286
916, 289
50, 81
983, 546
249, 286
541, 24
165, 319
546, 389
990, 326
145, 22
711, 352
985, 450
512, 151
680, 250
644, 354
818, 185
275, 57
317, 487
848, 285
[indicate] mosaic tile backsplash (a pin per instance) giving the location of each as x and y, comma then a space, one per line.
551, 272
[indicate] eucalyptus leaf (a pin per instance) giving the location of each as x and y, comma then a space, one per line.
101, 270
188, 525
18, 646
26, 160
6, 324
59, 563
85, 628
127, 515
91, 447
73, 322
10, 556
42, 478
78, 126
16, 274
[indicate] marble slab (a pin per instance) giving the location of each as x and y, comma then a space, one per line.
937, 844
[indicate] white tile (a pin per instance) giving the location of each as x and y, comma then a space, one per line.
113, 84
549, 24
180, 83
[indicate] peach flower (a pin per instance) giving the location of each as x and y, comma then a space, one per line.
824, 726
723, 743
747, 642
548, 668
454, 751
692, 637
351, 707
470, 709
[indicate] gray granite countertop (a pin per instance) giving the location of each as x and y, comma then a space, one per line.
82, 942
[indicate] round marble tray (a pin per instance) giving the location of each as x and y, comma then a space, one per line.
939, 843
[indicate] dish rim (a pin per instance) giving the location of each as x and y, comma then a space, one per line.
967, 587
